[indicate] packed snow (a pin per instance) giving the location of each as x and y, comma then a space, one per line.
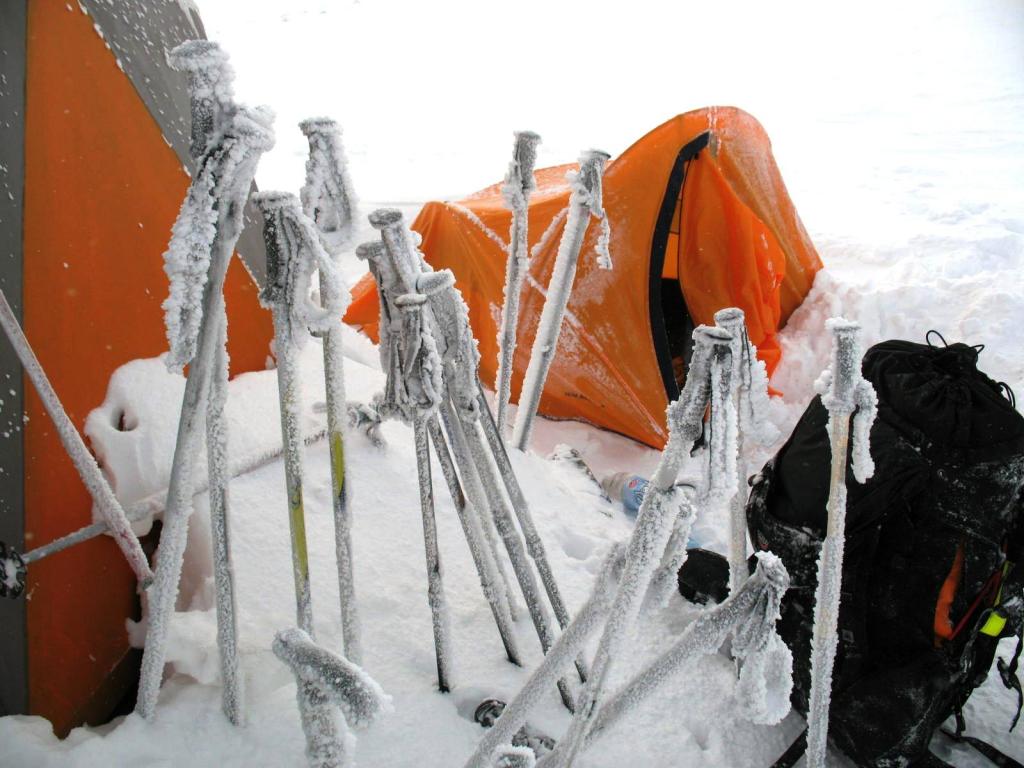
899, 129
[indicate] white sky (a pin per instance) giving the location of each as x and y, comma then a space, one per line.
429, 93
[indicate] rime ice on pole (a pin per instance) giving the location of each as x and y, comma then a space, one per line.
327, 683
519, 182
328, 196
231, 158
328, 199
842, 391
585, 201
650, 536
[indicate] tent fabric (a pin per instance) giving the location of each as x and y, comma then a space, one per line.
101, 187
698, 201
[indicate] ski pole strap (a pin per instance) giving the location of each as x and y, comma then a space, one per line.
792, 755
1008, 673
993, 754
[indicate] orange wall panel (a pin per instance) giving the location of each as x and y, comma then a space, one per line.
102, 189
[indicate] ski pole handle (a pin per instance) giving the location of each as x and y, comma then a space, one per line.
209, 86
328, 196
524, 157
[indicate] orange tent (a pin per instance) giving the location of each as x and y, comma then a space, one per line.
94, 129
700, 220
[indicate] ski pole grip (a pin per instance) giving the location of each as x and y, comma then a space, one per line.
592, 163
524, 159
840, 397
271, 205
209, 85
395, 235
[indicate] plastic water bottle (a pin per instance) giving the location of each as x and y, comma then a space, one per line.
627, 488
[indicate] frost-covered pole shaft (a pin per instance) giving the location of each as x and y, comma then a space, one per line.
584, 201
95, 482
459, 408
724, 452
703, 636
665, 580
519, 183
211, 107
325, 683
555, 663
469, 451
223, 573
411, 305
485, 567
282, 266
229, 166
732, 320
328, 200
376, 255
653, 526
840, 400
534, 543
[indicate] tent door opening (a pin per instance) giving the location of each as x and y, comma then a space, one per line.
671, 323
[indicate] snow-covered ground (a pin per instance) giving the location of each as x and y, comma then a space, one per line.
899, 129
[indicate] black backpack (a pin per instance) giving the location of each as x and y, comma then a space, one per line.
929, 586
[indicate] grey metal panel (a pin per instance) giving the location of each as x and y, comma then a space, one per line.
13, 636
140, 32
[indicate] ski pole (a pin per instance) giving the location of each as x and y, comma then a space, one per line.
232, 163
413, 391
328, 196
842, 391
519, 183
490, 582
223, 573
584, 202
211, 107
653, 527
416, 355
374, 253
756, 600
325, 683
534, 543
328, 200
293, 252
732, 320
568, 646
153, 504
93, 479
468, 447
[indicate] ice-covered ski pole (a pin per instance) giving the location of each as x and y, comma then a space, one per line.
376, 256
750, 612
326, 682
653, 527
202, 242
519, 183
99, 489
749, 385
212, 105
461, 406
328, 200
843, 391
584, 202
293, 253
